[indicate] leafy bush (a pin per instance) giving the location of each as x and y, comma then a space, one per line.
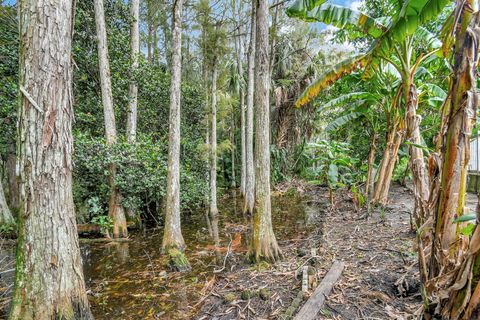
331, 163
141, 174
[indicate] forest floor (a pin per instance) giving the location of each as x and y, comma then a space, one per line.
379, 281
129, 280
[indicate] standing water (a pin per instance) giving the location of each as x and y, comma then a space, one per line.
129, 280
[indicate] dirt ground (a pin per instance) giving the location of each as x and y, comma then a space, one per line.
379, 281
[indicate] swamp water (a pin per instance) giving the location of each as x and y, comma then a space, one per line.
129, 280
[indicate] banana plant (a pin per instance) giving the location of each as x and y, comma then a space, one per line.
395, 40
332, 164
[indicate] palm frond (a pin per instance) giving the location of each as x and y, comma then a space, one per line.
330, 76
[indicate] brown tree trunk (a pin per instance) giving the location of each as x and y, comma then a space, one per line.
12, 187
249, 200
173, 243
453, 286
263, 244
371, 163
115, 208
49, 281
417, 163
385, 173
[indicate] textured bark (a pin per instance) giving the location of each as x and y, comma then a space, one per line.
232, 155
11, 172
249, 200
385, 173
172, 236
241, 93
263, 245
133, 88
115, 208
371, 162
6, 217
417, 163
213, 144
49, 281
453, 286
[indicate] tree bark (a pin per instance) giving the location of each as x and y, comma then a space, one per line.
115, 208
241, 93
6, 217
453, 285
11, 172
249, 200
232, 153
133, 88
172, 236
213, 147
417, 163
49, 281
371, 162
385, 173
263, 244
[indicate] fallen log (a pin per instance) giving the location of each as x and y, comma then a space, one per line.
313, 305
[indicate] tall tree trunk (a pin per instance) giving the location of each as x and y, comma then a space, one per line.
385, 173
417, 163
238, 47
49, 281
213, 146
371, 163
131, 129
133, 88
263, 244
6, 217
173, 243
249, 201
232, 154
453, 285
115, 208
149, 42
156, 54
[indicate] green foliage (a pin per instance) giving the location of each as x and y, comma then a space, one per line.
332, 164
338, 16
104, 222
141, 174
9, 78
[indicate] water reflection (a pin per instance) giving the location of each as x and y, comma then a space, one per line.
129, 280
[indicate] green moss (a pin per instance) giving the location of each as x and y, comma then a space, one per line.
264, 294
229, 297
247, 294
177, 261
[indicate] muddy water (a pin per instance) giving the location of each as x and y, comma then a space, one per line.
129, 280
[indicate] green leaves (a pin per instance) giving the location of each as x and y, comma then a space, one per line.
299, 7
340, 121
405, 22
466, 217
329, 77
349, 97
332, 174
335, 15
